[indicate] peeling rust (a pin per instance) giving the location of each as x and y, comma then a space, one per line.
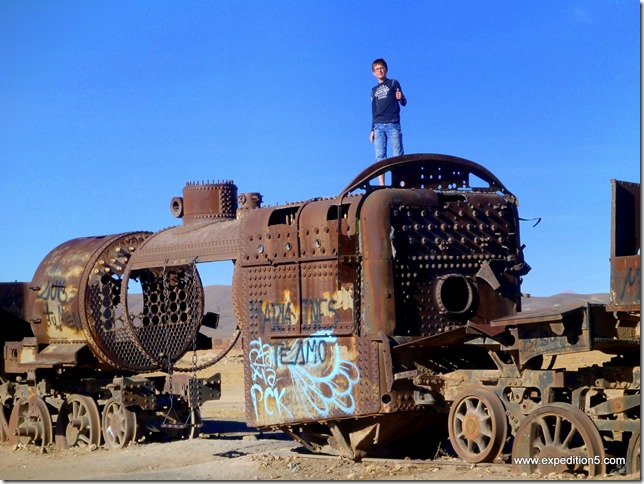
384, 320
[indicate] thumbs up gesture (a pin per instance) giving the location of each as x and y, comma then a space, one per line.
398, 94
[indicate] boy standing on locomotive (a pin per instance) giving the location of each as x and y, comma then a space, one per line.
386, 98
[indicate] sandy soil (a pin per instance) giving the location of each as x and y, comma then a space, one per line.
229, 450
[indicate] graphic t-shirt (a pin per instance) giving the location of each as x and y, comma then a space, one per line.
384, 105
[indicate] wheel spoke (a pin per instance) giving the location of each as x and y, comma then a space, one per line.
469, 406
480, 407
557, 433
571, 433
545, 431
487, 431
470, 445
481, 443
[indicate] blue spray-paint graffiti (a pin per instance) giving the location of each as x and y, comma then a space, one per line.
320, 379
264, 376
325, 383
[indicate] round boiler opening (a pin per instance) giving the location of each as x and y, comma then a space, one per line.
455, 294
176, 207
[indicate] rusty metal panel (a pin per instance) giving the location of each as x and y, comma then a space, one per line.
326, 302
279, 311
625, 283
294, 309
625, 263
269, 235
550, 331
266, 283
318, 228
323, 306
22, 356
295, 281
205, 242
206, 201
55, 305
443, 258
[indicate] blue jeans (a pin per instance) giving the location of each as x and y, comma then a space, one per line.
384, 132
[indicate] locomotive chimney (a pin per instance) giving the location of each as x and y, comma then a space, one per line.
206, 202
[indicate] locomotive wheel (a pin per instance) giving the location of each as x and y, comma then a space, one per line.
196, 423
28, 429
633, 460
477, 425
79, 423
184, 424
4, 425
119, 425
561, 438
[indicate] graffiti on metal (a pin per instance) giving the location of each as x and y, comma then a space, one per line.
307, 378
317, 313
55, 296
275, 313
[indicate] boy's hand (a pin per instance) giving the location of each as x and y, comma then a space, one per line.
399, 95
372, 136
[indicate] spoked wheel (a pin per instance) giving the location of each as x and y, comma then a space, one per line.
477, 425
633, 459
30, 426
119, 424
558, 438
182, 424
79, 423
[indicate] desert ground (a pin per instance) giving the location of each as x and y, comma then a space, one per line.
228, 450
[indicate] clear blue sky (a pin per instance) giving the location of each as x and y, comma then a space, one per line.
107, 109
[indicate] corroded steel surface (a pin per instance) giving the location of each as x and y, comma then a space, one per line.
625, 261
79, 295
184, 244
383, 319
206, 201
323, 286
626, 278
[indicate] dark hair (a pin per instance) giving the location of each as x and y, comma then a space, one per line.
379, 61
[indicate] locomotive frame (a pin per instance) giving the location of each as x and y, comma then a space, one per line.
386, 318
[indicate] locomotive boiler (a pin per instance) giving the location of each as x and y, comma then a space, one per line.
74, 350
345, 301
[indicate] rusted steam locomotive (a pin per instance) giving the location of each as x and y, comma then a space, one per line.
74, 351
388, 315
